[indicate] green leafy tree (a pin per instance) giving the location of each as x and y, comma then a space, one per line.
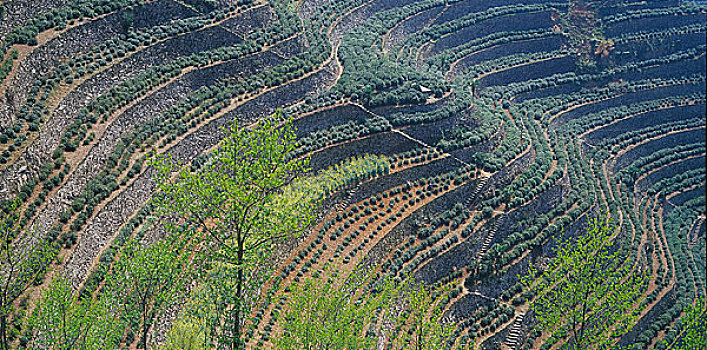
424, 325
23, 259
187, 333
63, 322
144, 281
588, 291
238, 206
693, 328
212, 303
322, 315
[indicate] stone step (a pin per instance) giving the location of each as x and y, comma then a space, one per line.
515, 333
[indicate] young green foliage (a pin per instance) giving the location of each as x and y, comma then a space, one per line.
61, 321
187, 333
425, 326
347, 173
324, 315
194, 329
238, 206
23, 258
360, 314
693, 328
588, 291
144, 281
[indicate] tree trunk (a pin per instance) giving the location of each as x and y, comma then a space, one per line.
145, 327
3, 333
419, 338
239, 298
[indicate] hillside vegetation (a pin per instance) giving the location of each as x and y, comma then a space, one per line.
450, 145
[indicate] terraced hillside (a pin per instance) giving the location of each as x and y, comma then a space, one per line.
498, 125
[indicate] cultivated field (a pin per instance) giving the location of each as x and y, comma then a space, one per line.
502, 127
